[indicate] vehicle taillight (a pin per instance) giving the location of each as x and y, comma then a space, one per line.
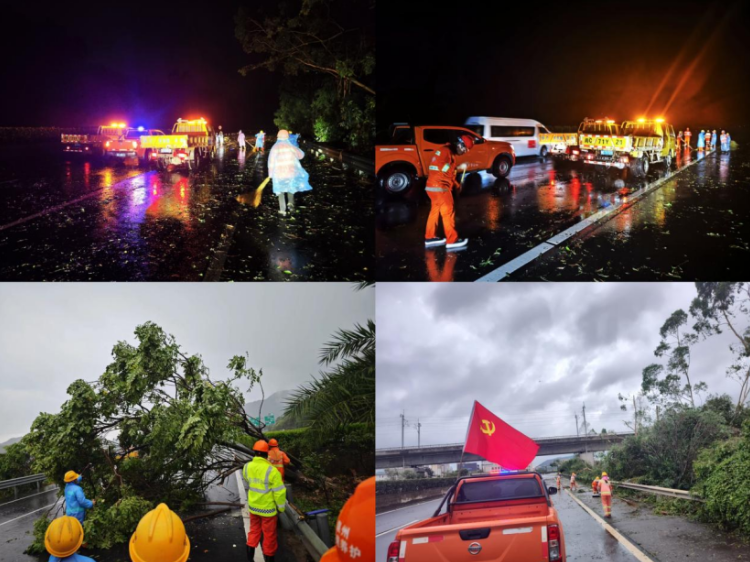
135, 144
393, 549
107, 145
576, 152
182, 155
553, 542
154, 155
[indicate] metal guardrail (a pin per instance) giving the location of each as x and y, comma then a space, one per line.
681, 494
22, 481
364, 165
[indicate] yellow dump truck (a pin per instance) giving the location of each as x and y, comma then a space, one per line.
191, 142
637, 146
562, 145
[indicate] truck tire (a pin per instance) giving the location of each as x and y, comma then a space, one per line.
645, 166
501, 167
668, 162
398, 181
543, 153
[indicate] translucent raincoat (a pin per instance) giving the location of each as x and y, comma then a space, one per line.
286, 172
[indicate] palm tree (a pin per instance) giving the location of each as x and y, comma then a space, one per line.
345, 394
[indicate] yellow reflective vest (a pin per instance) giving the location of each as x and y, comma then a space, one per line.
266, 495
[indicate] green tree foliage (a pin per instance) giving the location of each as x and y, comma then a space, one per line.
726, 306
15, 462
154, 427
675, 346
722, 472
345, 394
326, 49
663, 454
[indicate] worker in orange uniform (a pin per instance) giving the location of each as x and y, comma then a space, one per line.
595, 487
573, 484
355, 527
559, 487
441, 179
688, 136
277, 457
266, 498
605, 488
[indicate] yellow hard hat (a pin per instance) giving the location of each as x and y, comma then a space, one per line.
160, 537
64, 536
604, 474
71, 476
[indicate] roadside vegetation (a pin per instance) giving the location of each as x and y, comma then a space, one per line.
685, 439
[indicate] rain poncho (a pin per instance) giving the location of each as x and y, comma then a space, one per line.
76, 503
729, 142
241, 139
259, 140
293, 139
73, 558
701, 139
286, 172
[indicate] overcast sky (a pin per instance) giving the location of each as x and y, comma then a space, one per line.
531, 353
51, 335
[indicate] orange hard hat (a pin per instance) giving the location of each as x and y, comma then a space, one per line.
261, 446
355, 528
273, 443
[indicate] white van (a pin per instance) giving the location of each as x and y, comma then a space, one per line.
522, 134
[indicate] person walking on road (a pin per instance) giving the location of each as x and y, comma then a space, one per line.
241, 140
559, 482
294, 139
679, 142
688, 136
76, 503
266, 498
708, 140
441, 179
63, 538
260, 138
277, 457
605, 488
355, 527
286, 172
219, 138
160, 537
573, 485
715, 140
729, 142
595, 487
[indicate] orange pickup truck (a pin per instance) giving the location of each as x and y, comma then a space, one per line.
129, 145
401, 163
503, 517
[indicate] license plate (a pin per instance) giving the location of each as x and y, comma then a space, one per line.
166, 151
607, 152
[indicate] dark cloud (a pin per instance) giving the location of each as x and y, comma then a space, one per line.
532, 353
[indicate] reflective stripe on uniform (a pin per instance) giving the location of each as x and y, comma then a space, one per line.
446, 167
263, 511
278, 488
433, 168
436, 189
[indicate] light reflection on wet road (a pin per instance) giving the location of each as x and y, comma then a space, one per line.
79, 220
505, 218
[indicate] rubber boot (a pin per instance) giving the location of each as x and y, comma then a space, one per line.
269, 558
250, 553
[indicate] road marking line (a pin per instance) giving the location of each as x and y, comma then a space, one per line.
66, 204
612, 531
396, 528
27, 497
407, 507
258, 557
27, 514
600, 217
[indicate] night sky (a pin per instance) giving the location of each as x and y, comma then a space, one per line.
147, 64
561, 63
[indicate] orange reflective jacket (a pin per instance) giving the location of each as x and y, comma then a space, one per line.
278, 458
442, 169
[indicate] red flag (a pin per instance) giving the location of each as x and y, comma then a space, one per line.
493, 439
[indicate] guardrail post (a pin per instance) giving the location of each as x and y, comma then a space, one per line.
15, 492
289, 495
38, 486
324, 532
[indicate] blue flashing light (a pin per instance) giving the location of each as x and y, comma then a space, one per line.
140, 128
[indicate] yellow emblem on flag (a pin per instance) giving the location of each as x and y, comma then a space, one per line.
488, 428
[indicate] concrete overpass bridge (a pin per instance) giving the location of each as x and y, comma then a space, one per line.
444, 454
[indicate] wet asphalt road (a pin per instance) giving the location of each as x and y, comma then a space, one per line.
77, 220
505, 218
220, 538
585, 539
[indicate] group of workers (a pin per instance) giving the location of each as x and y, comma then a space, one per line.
707, 140
161, 537
600, 486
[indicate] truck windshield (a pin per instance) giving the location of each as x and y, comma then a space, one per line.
599, 129
506, 489
135, 134
640, 130
190, 128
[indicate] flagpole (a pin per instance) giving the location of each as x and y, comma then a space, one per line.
463, 450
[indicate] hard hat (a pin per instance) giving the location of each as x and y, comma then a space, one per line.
64, 536
467, 141
273, 443
71, 476
160, 536
355, 527
604, 474
261, 446
283, 135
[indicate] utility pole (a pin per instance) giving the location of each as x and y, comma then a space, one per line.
577, 433
419, 432
635, 417
585, 430
403, 425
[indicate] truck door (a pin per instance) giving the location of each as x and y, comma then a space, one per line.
432, 140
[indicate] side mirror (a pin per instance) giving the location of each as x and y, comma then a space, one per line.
551, 490
479, 140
